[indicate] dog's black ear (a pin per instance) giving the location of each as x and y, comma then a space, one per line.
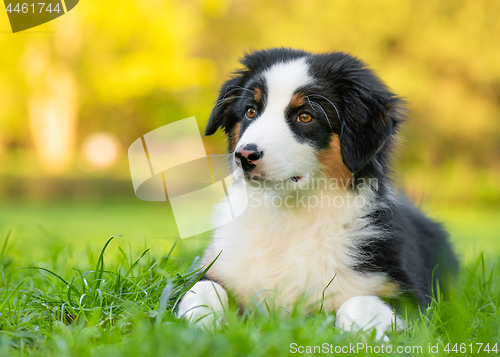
370, 116
222, 115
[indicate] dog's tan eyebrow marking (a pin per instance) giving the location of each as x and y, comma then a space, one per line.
298, 99
258, 94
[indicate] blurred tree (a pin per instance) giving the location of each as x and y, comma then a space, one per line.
52, 102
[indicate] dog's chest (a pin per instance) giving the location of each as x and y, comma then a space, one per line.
283, 257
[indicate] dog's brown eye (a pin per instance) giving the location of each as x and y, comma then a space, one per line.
304, 118
251, 112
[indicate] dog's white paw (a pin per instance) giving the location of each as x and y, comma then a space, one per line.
364, 313
204, 305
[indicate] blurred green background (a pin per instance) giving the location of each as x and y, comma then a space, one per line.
77, 91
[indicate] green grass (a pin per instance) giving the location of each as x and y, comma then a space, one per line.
66, 291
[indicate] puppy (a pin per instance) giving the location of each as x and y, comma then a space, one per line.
313, 135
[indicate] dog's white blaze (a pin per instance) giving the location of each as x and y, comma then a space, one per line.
284, 156
282, 80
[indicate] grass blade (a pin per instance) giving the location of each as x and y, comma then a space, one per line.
4, 247
99, 270
136, 262
195, 281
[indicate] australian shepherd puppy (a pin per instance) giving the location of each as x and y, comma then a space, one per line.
313, 135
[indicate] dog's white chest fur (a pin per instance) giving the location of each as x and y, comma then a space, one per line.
286, 255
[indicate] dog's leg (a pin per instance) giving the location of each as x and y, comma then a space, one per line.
204, 304
364, 313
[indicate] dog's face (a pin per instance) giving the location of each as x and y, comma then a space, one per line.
289, 114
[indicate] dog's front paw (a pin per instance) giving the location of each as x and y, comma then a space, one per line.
204, 305
364, 313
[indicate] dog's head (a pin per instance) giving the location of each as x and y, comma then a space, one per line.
290, 113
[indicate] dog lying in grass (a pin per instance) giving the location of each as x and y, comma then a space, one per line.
313, 135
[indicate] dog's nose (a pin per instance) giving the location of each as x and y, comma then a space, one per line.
249, 152
248, 155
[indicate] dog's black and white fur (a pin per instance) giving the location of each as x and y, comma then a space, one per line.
292, 117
